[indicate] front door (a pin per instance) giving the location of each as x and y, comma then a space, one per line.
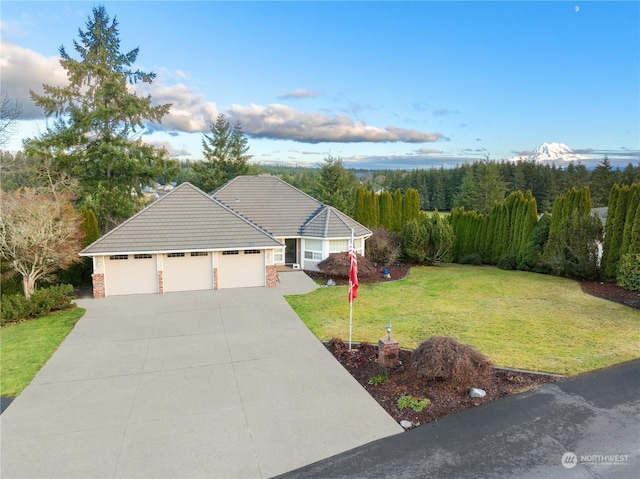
290, 251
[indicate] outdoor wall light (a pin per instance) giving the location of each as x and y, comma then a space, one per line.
389, 331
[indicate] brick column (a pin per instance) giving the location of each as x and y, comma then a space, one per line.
97, 279
160, 282
215, 279
272, 276
388, 353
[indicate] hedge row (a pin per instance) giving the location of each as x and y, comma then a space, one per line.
40, 303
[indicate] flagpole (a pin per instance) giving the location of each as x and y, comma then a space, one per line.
351, 246
350, 311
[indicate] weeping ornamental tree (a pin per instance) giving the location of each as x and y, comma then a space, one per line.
99, 118
39, 235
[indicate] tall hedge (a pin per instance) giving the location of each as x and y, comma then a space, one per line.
621, 235
385, 210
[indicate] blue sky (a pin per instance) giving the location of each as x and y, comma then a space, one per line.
378, 84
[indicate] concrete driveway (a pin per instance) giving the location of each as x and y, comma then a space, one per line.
226, 384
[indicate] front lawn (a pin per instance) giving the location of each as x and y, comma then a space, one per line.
520, 320
25, 347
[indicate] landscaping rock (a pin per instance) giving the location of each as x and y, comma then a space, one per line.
477, 393
406, 424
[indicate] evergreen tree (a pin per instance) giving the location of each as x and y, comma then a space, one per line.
608, 255
226, 155
359, 207
386, 210
98, 121
410, 205
602, 179
632, 206
397, 210
572, 248
335, 184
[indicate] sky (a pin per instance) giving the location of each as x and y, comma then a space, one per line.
377, 84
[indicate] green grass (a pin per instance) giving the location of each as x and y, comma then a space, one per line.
520, 320
26, 346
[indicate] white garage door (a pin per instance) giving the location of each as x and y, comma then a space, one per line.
241, 269
130, 274
187, 271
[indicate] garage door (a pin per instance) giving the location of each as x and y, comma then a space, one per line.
241, 269
187, 271
130, 274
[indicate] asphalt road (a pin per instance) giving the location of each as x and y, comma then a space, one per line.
582, 427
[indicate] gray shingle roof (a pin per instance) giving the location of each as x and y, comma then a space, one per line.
332, 223
187, 219
285, 211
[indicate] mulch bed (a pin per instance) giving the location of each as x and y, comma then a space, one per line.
612, 292
445, 399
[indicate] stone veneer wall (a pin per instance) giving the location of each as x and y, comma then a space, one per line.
215, 279
272, 276
97, 279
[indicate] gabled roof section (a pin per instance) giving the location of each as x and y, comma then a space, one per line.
186, 219
283, 210
332, 223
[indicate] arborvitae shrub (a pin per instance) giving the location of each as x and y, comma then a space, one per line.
628, 276
444, 358
474, 259
508, 262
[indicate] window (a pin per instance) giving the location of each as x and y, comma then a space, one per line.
252, 251
175, 255
338, 246
278, 256
141, 256
199, 253
313, 250
116, 257
230, 252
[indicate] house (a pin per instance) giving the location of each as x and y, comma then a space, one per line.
184, 241
309, 229
189, 240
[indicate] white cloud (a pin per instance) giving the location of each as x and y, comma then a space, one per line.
278, 121
299, 93
172, 152
24, 70
428, 151
190, 112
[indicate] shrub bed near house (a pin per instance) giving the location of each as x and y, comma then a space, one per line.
15, 307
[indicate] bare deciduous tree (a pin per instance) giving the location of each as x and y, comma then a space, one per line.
39, 234
10, 111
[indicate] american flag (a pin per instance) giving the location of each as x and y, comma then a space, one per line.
353, 271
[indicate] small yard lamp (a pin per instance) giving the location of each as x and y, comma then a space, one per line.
389, 331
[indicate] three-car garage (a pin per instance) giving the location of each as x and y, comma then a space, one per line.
182, 271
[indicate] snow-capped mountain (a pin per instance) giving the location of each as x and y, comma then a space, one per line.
552, 152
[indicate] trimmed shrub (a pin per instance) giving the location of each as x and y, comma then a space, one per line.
474, 259
508, 262
40, 303
444, 358
336, 344
339, 265
13, 307
628, 276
